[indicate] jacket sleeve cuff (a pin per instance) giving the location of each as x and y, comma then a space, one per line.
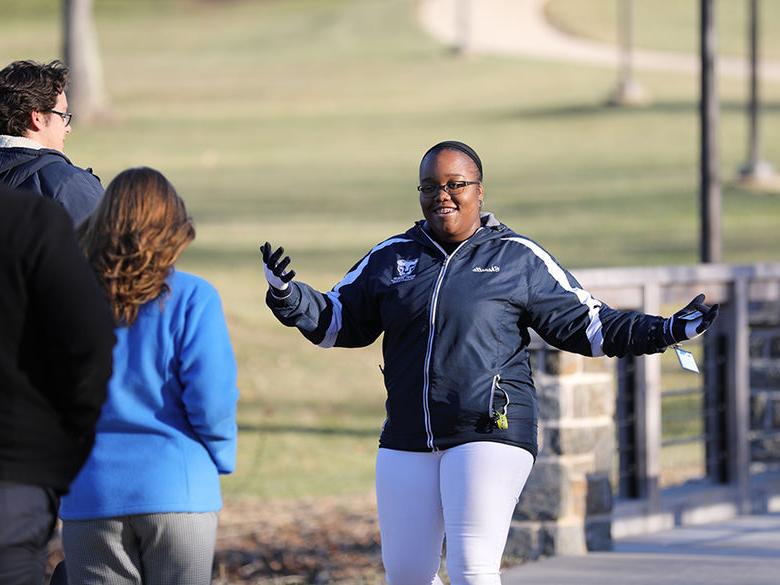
286, 298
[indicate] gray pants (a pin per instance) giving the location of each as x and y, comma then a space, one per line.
148, 549
27, 517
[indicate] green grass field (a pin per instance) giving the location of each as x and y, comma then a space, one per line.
671, 25
302, 122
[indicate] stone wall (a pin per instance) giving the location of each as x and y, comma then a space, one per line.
765, 381
566, 506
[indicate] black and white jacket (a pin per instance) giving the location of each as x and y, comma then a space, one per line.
456, 330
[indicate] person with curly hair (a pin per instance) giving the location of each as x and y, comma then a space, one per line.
34, 122
144, 507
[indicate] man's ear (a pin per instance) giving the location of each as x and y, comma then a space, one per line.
37, 121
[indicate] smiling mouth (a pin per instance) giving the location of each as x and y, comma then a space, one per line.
445, 210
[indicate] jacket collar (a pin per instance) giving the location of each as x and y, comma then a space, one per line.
491, 228
489, 220
7, 141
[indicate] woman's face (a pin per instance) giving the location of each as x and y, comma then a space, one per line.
452, 217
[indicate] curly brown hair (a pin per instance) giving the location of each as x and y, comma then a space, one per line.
134, 237
27, 87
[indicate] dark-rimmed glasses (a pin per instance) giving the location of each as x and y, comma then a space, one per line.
66, 116
450, 187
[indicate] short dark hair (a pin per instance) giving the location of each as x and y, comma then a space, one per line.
27, 87
457, 147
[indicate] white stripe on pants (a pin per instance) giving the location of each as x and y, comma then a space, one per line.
467, 493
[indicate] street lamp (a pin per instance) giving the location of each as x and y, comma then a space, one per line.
709, 186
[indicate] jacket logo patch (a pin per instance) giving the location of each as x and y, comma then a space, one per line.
493, 268
404, 270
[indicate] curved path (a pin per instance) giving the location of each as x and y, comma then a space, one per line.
519, 27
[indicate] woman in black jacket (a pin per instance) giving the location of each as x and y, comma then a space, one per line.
455, 296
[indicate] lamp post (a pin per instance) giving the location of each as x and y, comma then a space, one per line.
755, 171
708, 116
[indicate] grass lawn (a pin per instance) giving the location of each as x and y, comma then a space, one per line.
302, 122
671, 25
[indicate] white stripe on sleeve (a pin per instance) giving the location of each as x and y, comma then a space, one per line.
593, 331
334, 295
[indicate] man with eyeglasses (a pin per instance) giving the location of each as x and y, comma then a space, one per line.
34, 122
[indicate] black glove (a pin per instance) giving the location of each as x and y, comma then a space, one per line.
274, 269
689, 322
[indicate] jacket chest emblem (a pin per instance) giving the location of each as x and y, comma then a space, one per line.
494, 268
404, 270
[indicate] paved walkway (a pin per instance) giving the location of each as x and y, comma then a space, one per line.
519, 27
743, 551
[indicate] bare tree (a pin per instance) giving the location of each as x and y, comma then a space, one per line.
463, 27
87, 94
755, 170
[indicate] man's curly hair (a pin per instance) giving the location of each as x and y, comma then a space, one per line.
134, 237
27, 87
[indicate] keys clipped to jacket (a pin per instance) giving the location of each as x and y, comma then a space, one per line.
500, 419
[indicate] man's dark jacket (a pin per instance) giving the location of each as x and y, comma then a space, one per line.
56, 339
51, 174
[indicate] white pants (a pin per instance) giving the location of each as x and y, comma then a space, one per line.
467, 493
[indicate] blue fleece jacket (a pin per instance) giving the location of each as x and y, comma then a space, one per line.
168, 427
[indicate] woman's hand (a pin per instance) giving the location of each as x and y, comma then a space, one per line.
274, 268
690, 321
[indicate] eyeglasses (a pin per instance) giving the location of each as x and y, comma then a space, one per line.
66, 116
451, 187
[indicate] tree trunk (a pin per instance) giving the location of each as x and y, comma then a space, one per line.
628, 91
87, 97
755, 172
463, 27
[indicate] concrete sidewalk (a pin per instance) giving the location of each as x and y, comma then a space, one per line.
742, 551
520, 27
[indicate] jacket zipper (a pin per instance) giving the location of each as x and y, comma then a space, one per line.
429, 349
493, 386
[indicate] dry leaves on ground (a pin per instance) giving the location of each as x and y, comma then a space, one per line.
317, 541
327, 540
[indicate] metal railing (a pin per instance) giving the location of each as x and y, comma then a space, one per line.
724, 420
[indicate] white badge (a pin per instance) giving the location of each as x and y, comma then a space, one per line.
687, 361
